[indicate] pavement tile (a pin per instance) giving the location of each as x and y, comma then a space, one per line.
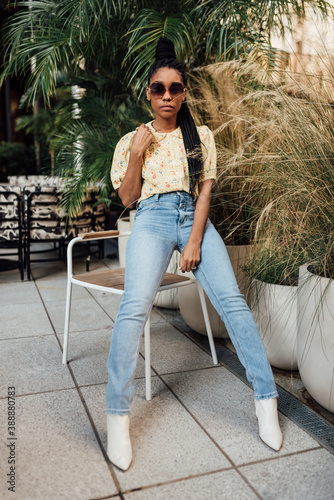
56, 450
88, 355
226, 485
48, 270
86, 314
108, 301
172, 351
79, 265
167, 442
111, 302
23, 320
306, 476
11, 276
56, 290
58, 455
32, 365
18, 293
225, 407
58, 269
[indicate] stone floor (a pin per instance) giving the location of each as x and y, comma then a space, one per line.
197, 439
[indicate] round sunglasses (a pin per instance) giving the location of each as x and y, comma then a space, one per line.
158, 90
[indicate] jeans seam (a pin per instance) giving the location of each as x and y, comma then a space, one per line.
116, 410
259, 396
131, 381
269, 395
145, 321
229, 323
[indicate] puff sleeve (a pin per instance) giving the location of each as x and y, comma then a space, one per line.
121, 160
209, 154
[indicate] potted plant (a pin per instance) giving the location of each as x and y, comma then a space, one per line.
273, 269
315, 345
295, 178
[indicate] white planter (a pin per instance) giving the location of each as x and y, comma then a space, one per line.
274, 308
124, 225
189, 303
315, 341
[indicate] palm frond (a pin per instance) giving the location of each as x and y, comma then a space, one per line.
45, 38
85, 145
147, 28
231, 25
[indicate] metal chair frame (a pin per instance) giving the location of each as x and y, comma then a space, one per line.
16, 243
115, 277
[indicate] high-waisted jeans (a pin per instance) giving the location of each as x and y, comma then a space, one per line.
162, 224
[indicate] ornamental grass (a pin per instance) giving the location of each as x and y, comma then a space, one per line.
275, 188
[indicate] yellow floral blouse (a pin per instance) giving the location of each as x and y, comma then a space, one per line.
165, 165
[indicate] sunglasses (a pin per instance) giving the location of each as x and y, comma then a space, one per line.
158, 89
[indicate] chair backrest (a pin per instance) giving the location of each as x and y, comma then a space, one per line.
10, 213
44, 218
91, 217
34, 180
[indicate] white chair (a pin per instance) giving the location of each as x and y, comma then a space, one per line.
112, 281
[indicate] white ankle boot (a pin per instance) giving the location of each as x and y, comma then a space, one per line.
119, 448
269, 429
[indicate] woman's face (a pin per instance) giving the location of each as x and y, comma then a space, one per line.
166, 106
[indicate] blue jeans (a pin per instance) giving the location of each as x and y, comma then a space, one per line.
162, 224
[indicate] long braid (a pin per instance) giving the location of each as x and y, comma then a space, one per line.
166, 58
192, 144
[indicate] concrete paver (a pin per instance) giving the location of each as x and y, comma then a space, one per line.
197, 439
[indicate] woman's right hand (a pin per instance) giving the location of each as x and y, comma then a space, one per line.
141, 140
130, 188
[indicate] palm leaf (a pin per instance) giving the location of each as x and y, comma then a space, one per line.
144, 33
85, 145
45, 38
228, 25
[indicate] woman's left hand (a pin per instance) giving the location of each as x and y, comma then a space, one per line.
190, 257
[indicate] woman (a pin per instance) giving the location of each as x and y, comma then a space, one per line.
168, 167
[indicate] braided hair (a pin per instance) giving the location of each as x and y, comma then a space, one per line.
165, 57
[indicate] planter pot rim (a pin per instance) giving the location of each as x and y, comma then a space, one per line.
265, 283
308, 266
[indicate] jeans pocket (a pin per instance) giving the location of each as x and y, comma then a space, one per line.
146, 206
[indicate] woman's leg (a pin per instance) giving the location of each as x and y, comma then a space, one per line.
148, 252
216, 276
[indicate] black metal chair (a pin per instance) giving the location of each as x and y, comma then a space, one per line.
47, 222
44, 222
11, 233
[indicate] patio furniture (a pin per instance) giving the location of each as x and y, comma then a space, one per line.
112, 281
47, 222
44, 221
30, 213
11, 234
34, 180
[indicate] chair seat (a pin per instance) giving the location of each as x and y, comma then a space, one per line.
114, 278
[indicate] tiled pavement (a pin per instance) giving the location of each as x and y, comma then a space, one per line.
197, 439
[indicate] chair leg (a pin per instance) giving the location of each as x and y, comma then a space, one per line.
67, 320
21, 263
28, 259
148, 360
207, 324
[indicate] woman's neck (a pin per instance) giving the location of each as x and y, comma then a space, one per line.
164, 126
